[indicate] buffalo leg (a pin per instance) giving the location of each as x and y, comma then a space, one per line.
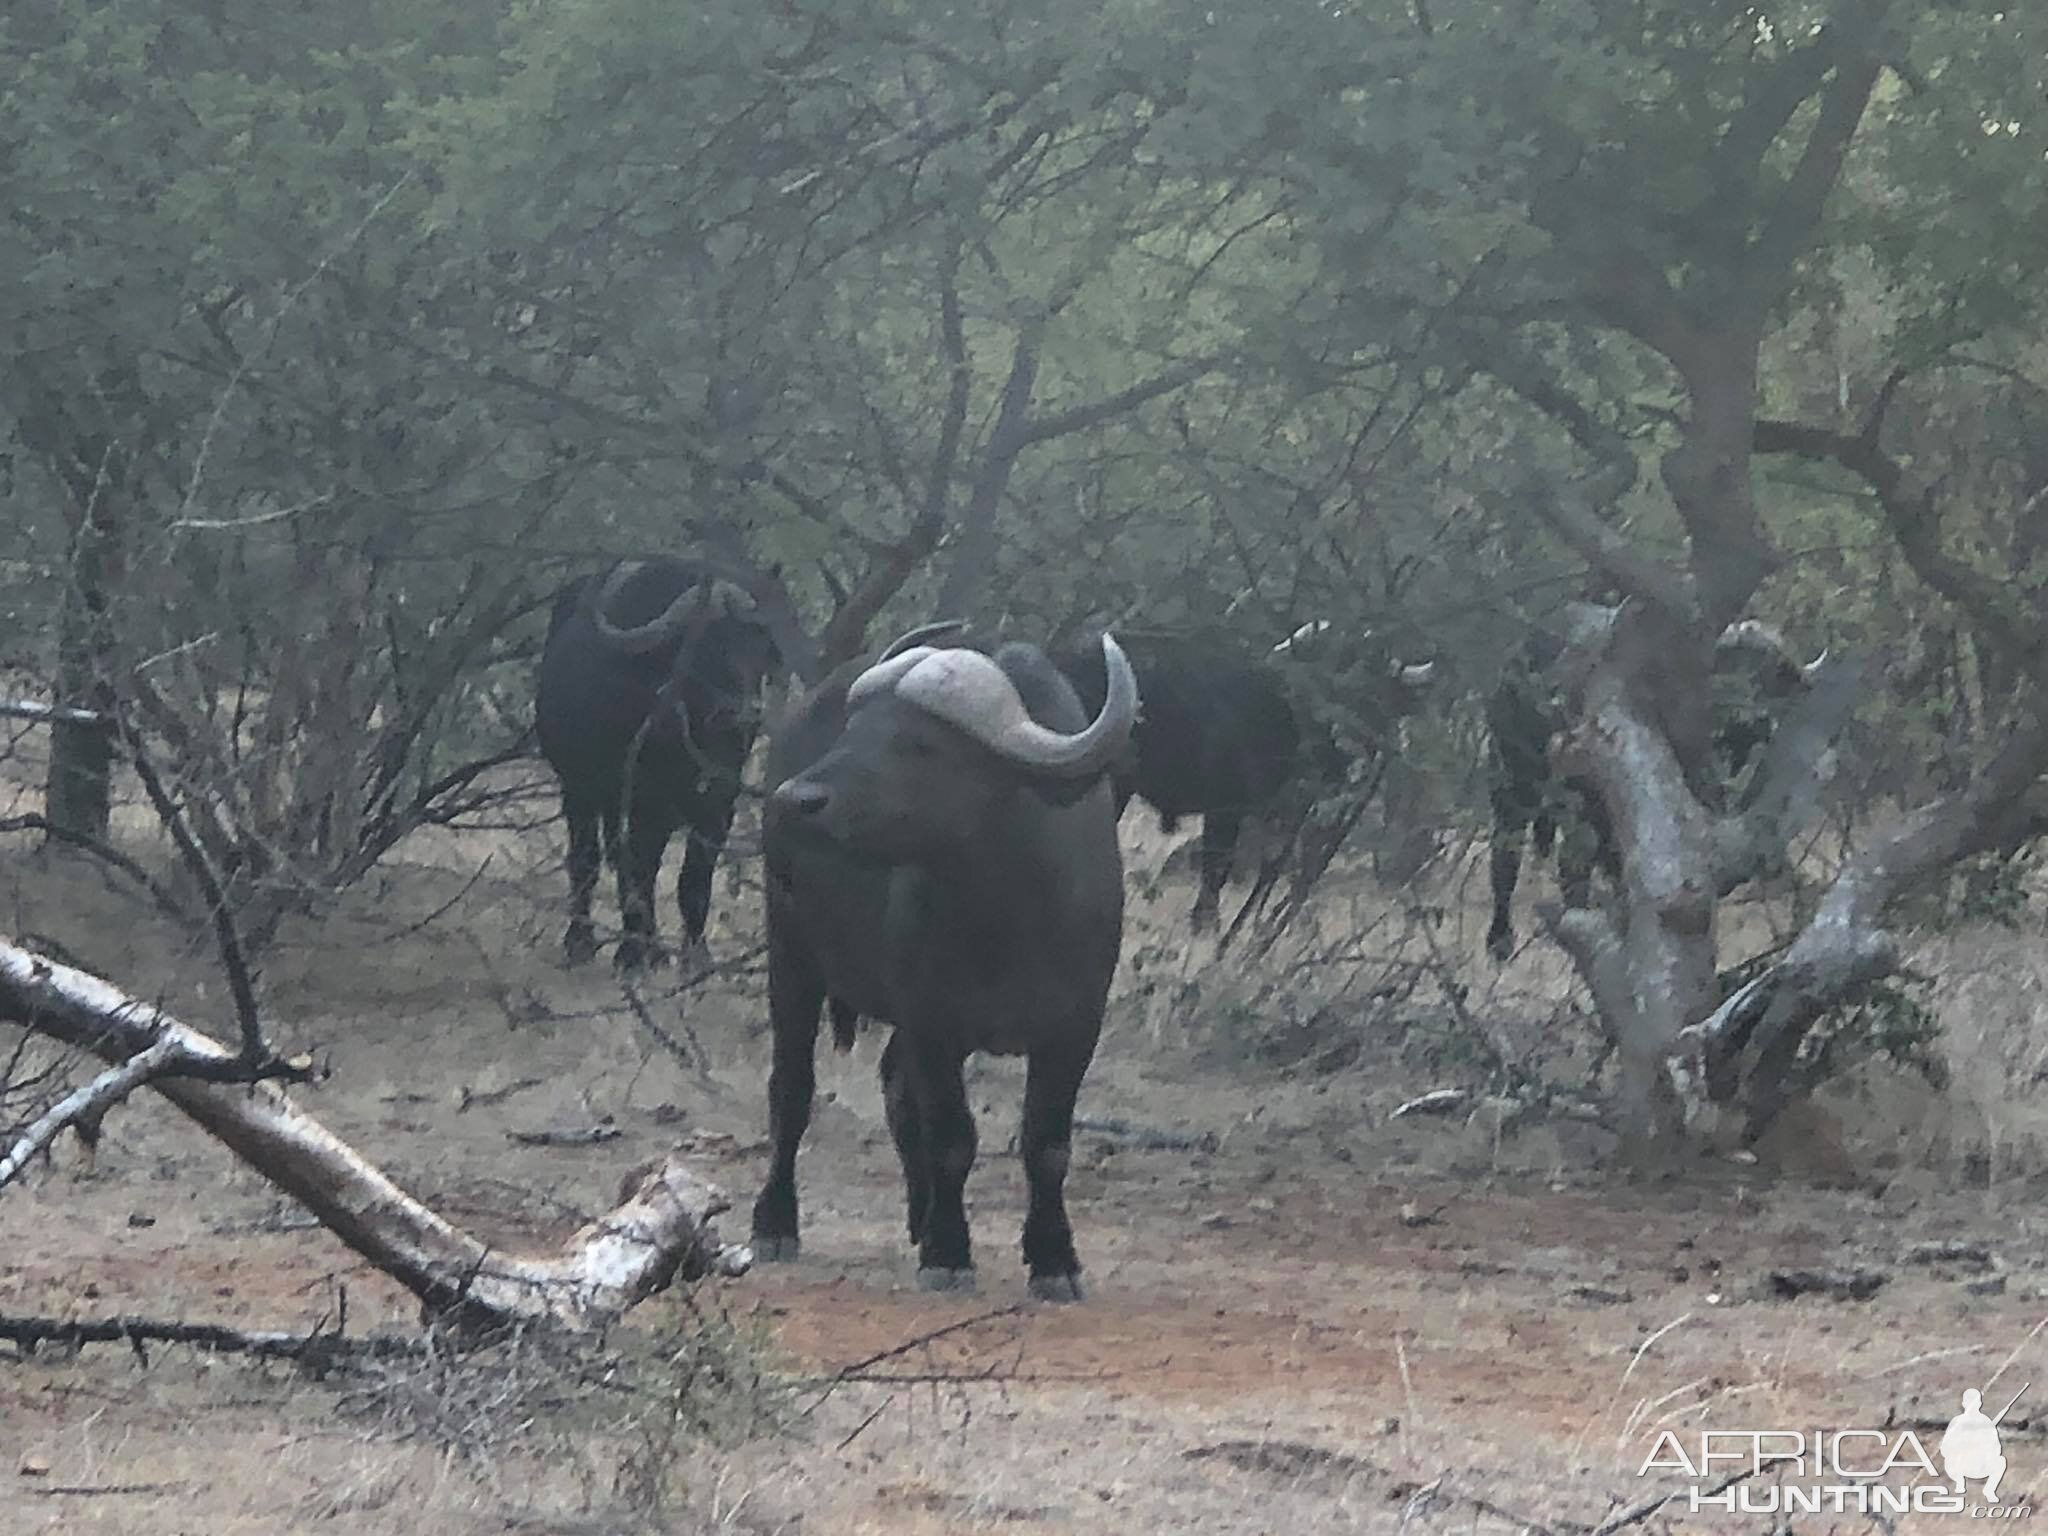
645, 839
1219, 846
1511, 816
700, 862
1584, 842
908, 1132
945, 1254
795, 994
1504, 869
845, 1020
1052, 1079
579, 944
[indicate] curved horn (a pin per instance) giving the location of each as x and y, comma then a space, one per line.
922, 635
967, 689
1752, 635
889, 671
1811, 671
639, 639
1303, 632
1416, 674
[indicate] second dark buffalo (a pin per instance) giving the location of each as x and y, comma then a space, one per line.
1755, 677
942, 857
1223, 734
649, 700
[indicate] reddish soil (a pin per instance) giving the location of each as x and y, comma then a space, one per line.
1334, 1321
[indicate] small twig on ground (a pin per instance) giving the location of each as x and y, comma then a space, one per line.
99, 1490
585, 1136
467, 1097
695, 1060
861, 1428
321, 1345
857, 1371
1146, 1137
442, 910
1637, 1514
1836, 1284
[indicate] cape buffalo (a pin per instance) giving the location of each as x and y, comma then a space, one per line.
649, 699
1222, 735
942, 857
1754, 677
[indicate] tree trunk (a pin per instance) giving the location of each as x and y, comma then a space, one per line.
79, 787
1650, 959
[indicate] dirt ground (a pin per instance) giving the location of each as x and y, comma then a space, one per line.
1323, 1319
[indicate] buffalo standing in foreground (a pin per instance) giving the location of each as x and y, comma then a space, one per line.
649, 700
1755, 677
942, 857
1221, 737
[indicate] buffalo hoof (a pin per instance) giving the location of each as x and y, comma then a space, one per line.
946, 1280
636, 959
1057, 1288
578, 948
776, 1250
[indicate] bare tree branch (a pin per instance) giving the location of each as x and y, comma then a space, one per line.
1574, 518
1081, 417
88, 1103
974, 548
25, 709
1780, 89
663, 1231
1997, 607
241, 985
1789, 224
165, 902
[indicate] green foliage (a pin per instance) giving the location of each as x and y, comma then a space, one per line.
1893, 1021
337, 335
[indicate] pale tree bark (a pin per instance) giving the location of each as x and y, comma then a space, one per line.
1642, 674
662, 1232
1735, 1069
1650, 959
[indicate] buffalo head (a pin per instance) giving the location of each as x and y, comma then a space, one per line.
935, 741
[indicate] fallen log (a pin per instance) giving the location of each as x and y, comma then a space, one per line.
663, 1230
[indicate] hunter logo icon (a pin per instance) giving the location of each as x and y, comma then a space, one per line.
1969, 1446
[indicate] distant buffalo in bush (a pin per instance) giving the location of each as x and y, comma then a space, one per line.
1224, 733
1755, 677
649, 699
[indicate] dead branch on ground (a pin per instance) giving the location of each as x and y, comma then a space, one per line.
662, 1231
320, 1346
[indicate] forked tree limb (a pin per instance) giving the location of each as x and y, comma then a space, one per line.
1746, 1047
84, 1106
662, 1231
